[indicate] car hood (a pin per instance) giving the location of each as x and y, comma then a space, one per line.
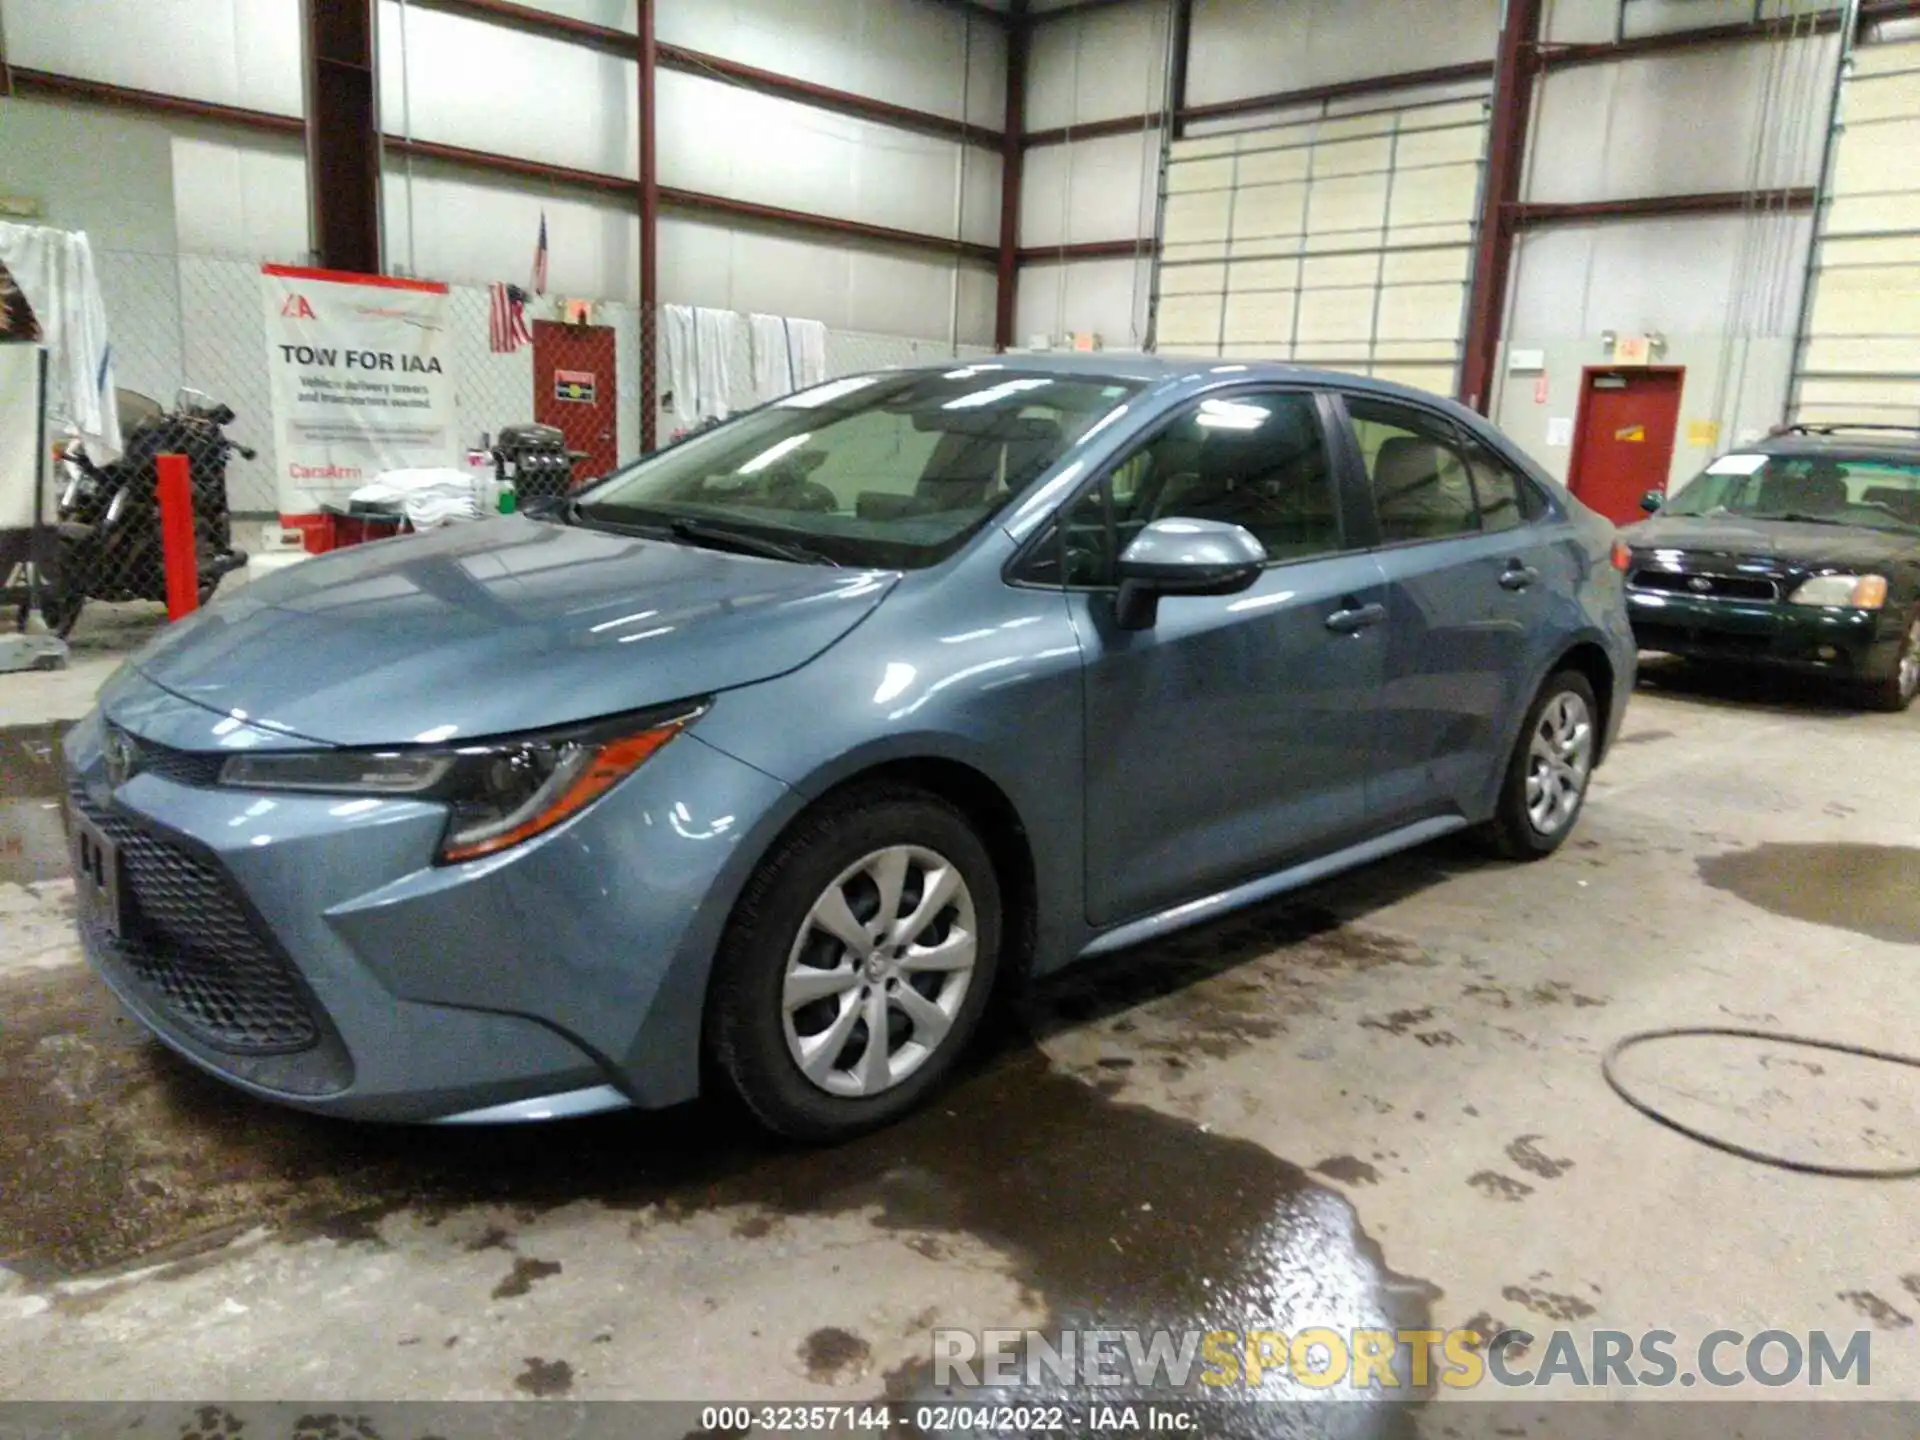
1784, 540
503, 626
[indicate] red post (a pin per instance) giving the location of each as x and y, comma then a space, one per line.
175, 492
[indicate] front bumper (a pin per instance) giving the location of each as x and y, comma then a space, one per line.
1831, 640
307, 949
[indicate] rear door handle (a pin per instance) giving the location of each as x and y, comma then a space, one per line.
1518, 576
1355, 618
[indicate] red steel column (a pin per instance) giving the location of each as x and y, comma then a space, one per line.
1513, 72
649, 237
1018, 29
175, 492
343, 134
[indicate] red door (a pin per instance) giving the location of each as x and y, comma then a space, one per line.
1623, 442
574, 391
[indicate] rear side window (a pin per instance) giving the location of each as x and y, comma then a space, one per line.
1432, 480
1422, 487
1506, 498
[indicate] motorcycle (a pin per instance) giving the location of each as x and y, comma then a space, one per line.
107, 543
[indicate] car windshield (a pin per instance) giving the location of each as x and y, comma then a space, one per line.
888, 470
1874, 491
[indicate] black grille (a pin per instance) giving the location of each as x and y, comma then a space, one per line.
1724, 587
183, 767
193, 945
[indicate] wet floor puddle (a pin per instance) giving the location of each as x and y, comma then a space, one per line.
33, 844
118, 1155
1869, 889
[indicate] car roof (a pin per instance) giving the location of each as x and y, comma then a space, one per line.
1841, 443
1154, 369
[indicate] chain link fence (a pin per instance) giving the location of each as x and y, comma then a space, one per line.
196, 322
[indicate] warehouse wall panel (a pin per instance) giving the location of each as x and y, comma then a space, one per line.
848, 286
240, 195
230, 52
467, 82
1683, 123
1241, 49
1098, 65
906, 52
1107, 298
1089, 190
712, 139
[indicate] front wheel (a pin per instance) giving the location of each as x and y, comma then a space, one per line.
857, 964
1895, 692
1547, 776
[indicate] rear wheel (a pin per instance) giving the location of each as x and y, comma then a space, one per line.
857, 964
1547, 777
1895, 692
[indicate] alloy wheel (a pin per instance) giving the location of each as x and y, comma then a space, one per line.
879, 971
1559, 761
1910, 662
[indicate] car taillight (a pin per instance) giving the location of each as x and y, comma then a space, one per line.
1622, 556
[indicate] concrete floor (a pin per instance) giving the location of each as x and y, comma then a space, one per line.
1377, 1102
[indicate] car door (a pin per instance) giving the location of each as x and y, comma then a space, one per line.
1470, 573
1231, 736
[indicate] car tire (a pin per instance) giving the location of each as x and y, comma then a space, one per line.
1548, 774
782, 989
1894, 692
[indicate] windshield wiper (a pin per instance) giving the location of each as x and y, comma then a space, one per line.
721, 537
576, 513
1797, 517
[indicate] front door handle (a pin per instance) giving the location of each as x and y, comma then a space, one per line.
1518, 576
1355, 618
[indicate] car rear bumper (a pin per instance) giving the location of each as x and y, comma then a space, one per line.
308, 949
1834, 640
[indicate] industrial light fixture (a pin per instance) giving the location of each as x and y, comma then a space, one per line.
1607, 337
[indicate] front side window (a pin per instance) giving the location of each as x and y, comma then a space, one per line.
1879, 492
1422, 488
1257, 460
892, 470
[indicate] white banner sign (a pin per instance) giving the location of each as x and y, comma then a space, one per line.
358, 365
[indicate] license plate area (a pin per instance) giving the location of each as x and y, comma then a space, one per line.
98, 876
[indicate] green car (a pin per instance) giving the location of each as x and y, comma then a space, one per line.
1802, 551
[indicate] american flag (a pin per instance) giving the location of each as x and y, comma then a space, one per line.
507, 319
539, 285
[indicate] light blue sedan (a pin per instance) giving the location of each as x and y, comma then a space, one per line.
773, 755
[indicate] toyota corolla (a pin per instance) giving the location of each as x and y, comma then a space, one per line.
774, 755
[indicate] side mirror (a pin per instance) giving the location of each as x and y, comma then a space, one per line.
1652, 501
1177, 556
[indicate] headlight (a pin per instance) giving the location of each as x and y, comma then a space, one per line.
499, 792
1861, 592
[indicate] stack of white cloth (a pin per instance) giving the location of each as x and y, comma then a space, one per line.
54, 271
428, 498
788, 355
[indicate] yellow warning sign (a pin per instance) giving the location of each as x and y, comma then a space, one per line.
1632, 434
1703, 434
